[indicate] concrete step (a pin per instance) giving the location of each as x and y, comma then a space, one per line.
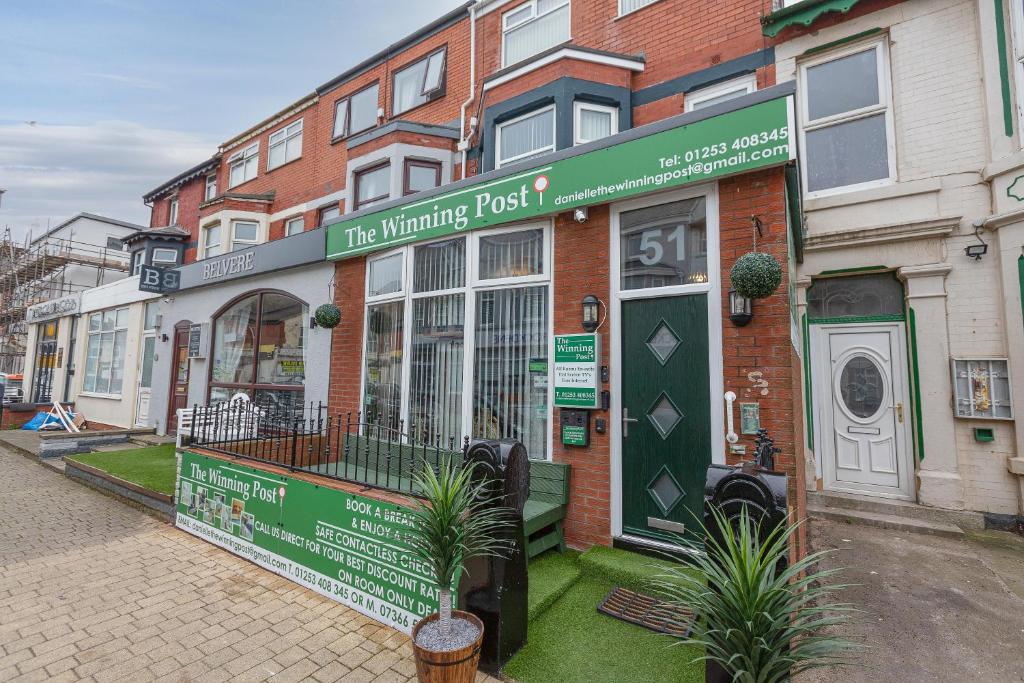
54, 464
883, 521
966, 520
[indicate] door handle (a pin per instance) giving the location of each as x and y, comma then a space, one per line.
626, 419
899, 412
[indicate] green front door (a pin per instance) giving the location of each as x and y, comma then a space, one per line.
666, 414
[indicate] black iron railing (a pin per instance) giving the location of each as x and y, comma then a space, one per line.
343, 447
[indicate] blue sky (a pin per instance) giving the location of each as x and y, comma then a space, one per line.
102, 100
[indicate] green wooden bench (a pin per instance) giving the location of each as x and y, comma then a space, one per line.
545, 508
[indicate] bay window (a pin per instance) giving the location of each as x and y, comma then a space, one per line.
244, 234
532, 28
593, 122
242, 165
373, 186
720, 92
211, 240
526, 137
164, 257
105, 351
421, 175
846, 116
259, 347
457, 335
285, 145
419, 83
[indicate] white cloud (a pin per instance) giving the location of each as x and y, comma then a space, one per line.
53, 172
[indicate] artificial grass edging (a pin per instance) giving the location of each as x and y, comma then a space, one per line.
152, 468
551, 575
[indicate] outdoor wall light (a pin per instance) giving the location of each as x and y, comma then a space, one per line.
740, 309
976, 251
591, 311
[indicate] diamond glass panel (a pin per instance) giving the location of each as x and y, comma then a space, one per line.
663, 343
665, 491
664, 416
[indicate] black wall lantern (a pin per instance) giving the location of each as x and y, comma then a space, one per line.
740, 309
591, 311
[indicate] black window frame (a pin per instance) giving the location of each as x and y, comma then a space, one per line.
422, 163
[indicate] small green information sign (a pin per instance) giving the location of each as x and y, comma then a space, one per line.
573, 435
751, 138
577, 373
346, 547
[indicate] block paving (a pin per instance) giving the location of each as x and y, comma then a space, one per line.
92, 589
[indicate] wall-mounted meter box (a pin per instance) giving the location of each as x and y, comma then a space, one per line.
575, 427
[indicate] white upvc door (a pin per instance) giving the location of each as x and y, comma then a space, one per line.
863, 409
145, 380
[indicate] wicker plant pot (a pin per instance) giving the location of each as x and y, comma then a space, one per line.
452, 666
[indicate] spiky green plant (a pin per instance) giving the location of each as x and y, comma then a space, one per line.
760, 620
455, 521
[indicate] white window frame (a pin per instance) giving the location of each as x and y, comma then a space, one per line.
211, 183
291, 223
89, 334
623, 13
246, 158
219, 245
155, 261
746, 83
532, 6
137, 261
1016, 9
885, 105
172, 215
470, 289
498, 162
577, 109
284, 136
236, 241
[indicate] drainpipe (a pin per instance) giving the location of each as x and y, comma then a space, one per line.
464, 141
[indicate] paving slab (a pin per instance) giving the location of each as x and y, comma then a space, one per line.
933, 608
91, 588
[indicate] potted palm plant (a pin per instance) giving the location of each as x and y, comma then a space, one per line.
757, 618
453, 522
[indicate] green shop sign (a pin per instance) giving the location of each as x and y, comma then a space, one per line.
746, 139
346, 547
577, 371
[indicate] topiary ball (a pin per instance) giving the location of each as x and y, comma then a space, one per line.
756, 275
327, 315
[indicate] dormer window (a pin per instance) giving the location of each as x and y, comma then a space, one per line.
242, 164
532, 28
419, 82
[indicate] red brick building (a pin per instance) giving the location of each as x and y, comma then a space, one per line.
640, 148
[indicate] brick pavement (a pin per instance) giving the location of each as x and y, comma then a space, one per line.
92, 589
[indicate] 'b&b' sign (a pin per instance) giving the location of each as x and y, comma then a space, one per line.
158, 280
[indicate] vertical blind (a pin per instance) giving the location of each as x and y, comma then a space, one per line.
511, 254
528, 137
537, 35
627, 6
435, 392
510, 401
594, 124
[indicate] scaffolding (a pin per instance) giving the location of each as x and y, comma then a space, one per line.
36, 271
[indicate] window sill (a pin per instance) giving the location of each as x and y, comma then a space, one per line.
109, 397
244, 182
271, 170
341, 138
440, 96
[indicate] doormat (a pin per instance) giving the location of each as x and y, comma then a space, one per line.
643, 610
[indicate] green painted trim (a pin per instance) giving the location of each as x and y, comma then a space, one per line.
803, 13
1004, 68
892, 318
808, 390
1020, 280
842, 41
860, 269
916, 372
795, 211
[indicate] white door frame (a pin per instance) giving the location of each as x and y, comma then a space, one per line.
821, 368
712, 288
138, 382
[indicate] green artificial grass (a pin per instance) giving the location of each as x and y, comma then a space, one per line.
551, 574
626, 569
152, 468
572, 641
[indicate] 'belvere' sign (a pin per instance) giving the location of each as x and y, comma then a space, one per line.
754, 137
577, 371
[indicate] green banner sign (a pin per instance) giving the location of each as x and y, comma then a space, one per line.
743, 140
346, 547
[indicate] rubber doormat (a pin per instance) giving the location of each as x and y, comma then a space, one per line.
643, 610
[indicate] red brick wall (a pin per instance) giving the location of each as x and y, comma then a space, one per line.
572, 68
347, 339
190, 196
